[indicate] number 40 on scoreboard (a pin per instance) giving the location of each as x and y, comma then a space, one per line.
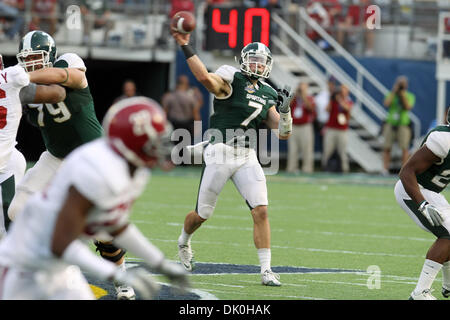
233, 28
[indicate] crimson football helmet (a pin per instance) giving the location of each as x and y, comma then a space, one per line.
1, 62
138, 130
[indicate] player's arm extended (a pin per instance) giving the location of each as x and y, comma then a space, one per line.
69, 225
420, 161
34, 93
273, 121
281, 120
131, 239
212, 82
68, 77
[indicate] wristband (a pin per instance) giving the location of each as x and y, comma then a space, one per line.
67, 75
187, 50
422, 205
285, 123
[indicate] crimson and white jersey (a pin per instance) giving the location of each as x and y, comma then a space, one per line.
100, 175
12, 80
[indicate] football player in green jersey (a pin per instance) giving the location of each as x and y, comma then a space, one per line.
422, 179
64, 126
242, 101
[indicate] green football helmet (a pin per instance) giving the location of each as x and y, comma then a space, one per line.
37, 50
257, 54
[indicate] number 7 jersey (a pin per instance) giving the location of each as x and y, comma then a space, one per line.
437, 177
246, 106
70, 123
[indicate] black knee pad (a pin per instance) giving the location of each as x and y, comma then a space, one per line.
109, 251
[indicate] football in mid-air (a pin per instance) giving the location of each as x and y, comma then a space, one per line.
183, 22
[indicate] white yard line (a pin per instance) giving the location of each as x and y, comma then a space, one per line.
325, 233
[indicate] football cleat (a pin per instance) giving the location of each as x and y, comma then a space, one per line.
424, 295
186, 256
270, 278
125, 293
445, 292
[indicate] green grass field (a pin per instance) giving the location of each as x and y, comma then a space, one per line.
319, 221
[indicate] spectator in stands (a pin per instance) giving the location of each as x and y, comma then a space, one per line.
322, 99
128, 90
325, 13
353, 23
336, 129
446, 43
397, 125
182, 106
11, 11
44, 16
302, 136
96, 14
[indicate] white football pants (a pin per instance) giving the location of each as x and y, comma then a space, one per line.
434, 198
223, 162
9, 179
35, 179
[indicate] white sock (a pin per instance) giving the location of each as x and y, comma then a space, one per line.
429, 272
264, 255
184, 238
446, 275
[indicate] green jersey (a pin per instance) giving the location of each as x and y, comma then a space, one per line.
246, 106
69, 123
397, 115
437, 177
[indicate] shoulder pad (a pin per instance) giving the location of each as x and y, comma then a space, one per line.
439, 143
17, 76
70, 60
226, 72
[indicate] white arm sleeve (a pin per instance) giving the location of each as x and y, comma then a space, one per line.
439, 143
78, 254
133, 240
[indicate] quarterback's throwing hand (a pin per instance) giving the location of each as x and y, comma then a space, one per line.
284, 99
432, 214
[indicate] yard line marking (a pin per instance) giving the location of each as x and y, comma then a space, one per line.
364, 235
327, 233
271, 295
350, 252
218, 284
234, 244
322, 281
370, 224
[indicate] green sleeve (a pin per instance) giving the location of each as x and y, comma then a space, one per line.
411, 99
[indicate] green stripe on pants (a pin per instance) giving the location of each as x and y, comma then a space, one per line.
439, 231
8, 191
